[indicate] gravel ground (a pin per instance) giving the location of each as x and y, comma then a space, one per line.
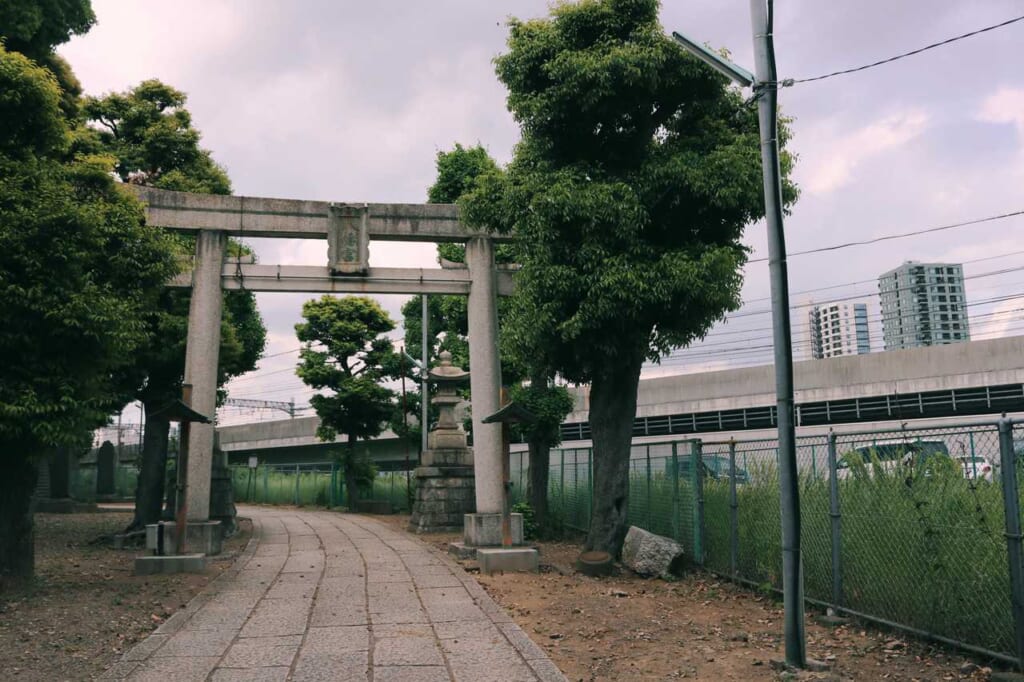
85, 607
625, 627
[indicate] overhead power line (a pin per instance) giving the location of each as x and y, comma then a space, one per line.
901, 235
874, 280
792, 81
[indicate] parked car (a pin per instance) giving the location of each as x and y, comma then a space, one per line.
977, 467
717, 466
714, 467
912, 456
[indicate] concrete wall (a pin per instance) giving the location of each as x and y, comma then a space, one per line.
291, 441
961, 365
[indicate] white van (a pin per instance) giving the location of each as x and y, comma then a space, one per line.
891, 456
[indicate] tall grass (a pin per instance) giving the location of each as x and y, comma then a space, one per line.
307, 486
923, 550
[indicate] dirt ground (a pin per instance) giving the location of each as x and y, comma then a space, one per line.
629, 628
85, 607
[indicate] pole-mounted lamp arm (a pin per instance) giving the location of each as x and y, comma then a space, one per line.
720, 64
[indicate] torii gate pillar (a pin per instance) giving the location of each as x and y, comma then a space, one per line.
485, 373
201, 358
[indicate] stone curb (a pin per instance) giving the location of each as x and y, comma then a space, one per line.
143, 650
534, 657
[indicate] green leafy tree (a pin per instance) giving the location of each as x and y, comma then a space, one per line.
35, 27
78, 270
637, 171
345, 352
149, 132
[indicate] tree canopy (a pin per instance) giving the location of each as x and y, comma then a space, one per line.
35, 27
149, 131
78, 270
346, 352
638, 169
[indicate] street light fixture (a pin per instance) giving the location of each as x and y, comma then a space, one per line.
720, 64
765, 85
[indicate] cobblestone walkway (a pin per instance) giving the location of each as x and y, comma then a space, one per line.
327, 596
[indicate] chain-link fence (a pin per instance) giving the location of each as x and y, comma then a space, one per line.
907, 527
314, 484
82, 483
664, 485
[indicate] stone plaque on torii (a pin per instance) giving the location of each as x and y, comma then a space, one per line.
348, 227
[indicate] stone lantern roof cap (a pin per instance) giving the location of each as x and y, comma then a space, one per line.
446, 372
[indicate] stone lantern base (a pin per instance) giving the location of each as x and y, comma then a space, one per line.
445, 493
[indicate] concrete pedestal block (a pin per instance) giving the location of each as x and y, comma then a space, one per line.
484, 530
201, 536
444, 495
508, 559
184, 563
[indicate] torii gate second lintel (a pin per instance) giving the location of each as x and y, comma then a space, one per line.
348, 228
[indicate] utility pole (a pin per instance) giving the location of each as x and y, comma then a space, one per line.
765, 85
425, 353
766, 91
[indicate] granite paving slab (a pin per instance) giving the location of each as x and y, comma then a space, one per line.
318, 595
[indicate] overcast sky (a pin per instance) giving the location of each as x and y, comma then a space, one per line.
351, 101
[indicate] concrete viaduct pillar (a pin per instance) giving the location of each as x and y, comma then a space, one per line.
201, 358
485, 373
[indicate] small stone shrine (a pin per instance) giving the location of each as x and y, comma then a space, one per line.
444, 479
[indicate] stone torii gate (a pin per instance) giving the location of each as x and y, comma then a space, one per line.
348, 229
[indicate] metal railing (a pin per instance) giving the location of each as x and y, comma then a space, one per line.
914, 528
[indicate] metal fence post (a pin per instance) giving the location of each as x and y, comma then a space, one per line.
330, 488
698, 507
734, 517
561, 484
590, 485
649, 505
296, 485
836, 516
675, 491
266, 483
1011, 507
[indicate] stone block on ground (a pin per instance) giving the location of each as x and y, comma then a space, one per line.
648, 554
185, 563
461, 551
205, 537
507, 559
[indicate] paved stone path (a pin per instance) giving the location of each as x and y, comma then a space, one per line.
326, 596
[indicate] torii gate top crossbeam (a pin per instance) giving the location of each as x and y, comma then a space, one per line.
299, 219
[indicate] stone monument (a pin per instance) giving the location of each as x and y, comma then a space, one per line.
444, 479
106, 462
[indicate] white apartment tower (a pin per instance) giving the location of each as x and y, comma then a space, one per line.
839, 328
923, 304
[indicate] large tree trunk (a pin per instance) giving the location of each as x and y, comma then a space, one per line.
149, 493
537, 482
351, 478
17, 539
612, 411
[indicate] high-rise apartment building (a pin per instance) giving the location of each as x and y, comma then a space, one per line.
839, 328
923, 304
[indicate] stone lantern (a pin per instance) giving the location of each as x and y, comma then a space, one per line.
446, 442
445, 490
